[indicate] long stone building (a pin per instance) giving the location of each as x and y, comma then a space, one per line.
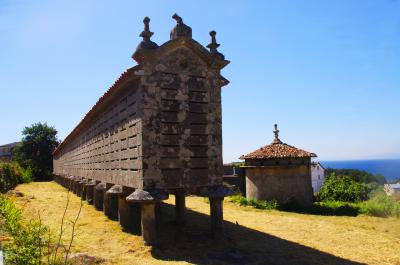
279, 172
156, 131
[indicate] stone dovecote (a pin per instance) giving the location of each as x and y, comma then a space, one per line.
279, 172
157, 130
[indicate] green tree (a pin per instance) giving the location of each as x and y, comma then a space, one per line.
357, 175
36, 150
343, 188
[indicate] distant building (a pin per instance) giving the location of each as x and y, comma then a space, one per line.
317, 176
279, 171
6, 151
392, 189
235, 176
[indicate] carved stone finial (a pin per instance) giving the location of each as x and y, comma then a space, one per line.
146, 33
276, 132
181, 29
146, 44
177, 18
214, 45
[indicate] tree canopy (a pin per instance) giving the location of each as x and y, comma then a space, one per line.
35, 150
357, 175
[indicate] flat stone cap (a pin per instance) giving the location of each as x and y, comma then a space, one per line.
101, 186
116, 189
91, 183
78, 179
217, 191
147, 196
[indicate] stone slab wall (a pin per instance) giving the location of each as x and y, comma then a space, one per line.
283, 183
109, 148
182, 132
162, 131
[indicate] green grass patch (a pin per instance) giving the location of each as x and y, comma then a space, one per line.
258, 204
380, 205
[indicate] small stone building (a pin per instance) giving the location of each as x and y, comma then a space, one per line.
279, 172
156, 131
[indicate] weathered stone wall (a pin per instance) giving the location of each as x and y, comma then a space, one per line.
283, 183
182, 122
108, 148
162, 131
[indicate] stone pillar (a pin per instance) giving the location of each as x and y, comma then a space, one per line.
180, 207
66, 182
73, 184
90, 191
61, 181
98, 196
78, 189
148, 222
70, 183
83, 188
129, 215
216, 215
76, 185
111, 202
148, 200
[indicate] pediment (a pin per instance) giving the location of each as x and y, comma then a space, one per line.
185, 55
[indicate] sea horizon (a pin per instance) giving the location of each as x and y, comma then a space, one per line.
389, 167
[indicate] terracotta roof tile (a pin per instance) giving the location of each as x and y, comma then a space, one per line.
277, 150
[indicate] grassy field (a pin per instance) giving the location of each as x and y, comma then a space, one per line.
252, 236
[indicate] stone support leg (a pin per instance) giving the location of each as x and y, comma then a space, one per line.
111, 205
70, 184
180, 207
90, 192
216, 215
129, 215
83, 189
79, 188
148, 220
98, 196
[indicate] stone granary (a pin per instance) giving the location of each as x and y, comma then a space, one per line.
279, 171
156, 131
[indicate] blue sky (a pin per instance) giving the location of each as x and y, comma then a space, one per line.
328, 72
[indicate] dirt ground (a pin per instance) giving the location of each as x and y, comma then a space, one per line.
252, 236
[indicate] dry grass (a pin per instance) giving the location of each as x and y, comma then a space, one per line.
253, 236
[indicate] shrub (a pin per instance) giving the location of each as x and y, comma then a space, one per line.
31, 242
10, 176
261, 204
27, 175
357, 175
342, 188
24, 248
381, 205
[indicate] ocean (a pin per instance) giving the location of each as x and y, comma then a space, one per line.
390, 168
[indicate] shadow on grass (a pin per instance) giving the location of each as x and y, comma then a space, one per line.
324, 209
192, 243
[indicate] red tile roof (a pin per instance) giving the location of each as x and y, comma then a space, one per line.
277, 150
97, 106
